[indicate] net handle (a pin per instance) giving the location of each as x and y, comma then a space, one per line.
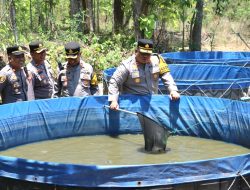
122, 110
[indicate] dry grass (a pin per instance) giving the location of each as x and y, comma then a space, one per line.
228, 36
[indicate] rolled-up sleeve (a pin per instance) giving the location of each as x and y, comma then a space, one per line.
169, 82
116, 82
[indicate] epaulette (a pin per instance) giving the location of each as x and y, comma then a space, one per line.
128, 61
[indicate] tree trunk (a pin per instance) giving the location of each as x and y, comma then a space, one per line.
195, 40
145, 6
183, 27
89, 16
118, 15
31, 16
136, 15
76, 13
126, 21
13, 20
97, 16
50, 18
93, 15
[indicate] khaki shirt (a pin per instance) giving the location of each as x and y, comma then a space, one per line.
134, 78
79, 80
42, 80
13, 85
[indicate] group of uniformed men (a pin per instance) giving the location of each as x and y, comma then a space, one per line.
139, 74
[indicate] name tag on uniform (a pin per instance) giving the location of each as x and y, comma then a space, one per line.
85, 72
135, 74
155, 69
85, 76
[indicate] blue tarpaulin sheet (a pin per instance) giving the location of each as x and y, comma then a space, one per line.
211, 57
211, 80
220, 119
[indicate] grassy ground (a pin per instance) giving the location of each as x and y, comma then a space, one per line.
223, 35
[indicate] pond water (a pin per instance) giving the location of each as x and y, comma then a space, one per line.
123, 150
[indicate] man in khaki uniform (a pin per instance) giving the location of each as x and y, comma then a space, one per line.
76, 78
140, 74
13, 77
42, 75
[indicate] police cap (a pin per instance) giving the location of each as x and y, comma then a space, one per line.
15, 50
72, 49
145, 46
37, 46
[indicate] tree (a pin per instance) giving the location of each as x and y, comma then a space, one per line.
140, 9
196, 27
136, 15
76, 7
118, 15
89, 16
13, 19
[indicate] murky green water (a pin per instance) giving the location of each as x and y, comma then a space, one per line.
123, 150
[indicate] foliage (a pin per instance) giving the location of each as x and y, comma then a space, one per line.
105, 52
51, 23
238, 10
147, 24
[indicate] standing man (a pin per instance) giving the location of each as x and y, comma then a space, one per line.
13, 77
76, 78
140, 74
43, 82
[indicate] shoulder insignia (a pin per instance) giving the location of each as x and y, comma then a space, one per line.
94, 80
163, 66
2, 78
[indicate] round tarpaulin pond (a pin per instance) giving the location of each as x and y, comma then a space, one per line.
220, 81
212, 57
212, 118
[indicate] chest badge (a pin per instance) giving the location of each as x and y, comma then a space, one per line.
137, 80
155, 76
2, 79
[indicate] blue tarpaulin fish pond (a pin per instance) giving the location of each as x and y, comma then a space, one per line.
208, 57
220, 81
214, 118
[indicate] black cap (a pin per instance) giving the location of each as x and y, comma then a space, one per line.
72, 49
145, 46
15, 50
37, 46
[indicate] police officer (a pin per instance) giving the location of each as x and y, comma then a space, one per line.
43, 82
13, 77
76, 78
140, 73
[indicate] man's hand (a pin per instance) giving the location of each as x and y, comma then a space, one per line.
114, 105
174, 95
